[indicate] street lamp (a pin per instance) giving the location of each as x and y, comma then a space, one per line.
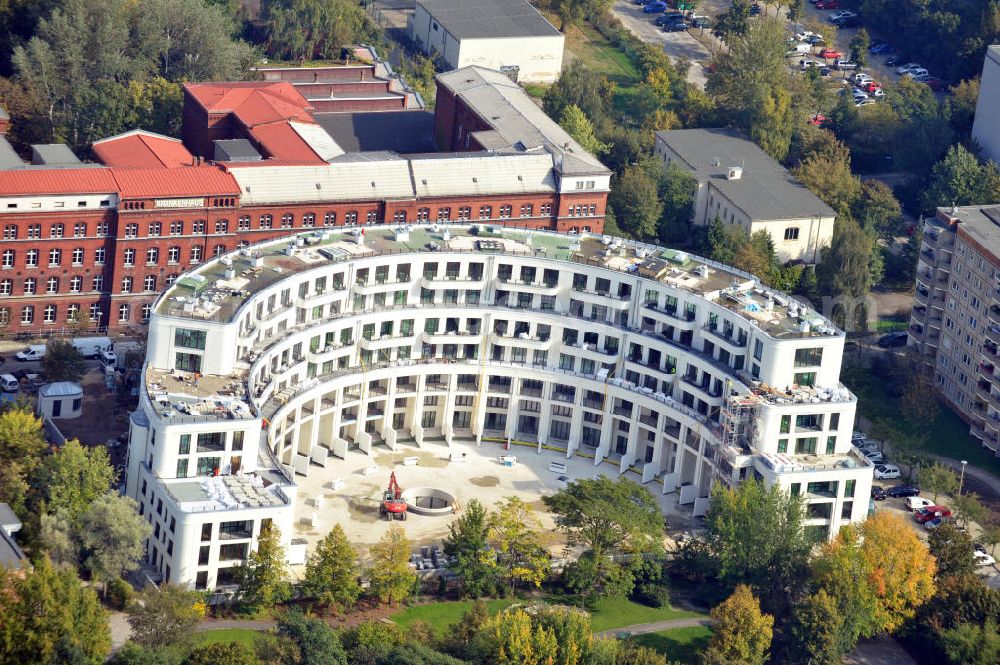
961, 478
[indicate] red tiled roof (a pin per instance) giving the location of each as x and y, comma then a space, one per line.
280, 141
253, 102
57, 181
192, 181
141, 149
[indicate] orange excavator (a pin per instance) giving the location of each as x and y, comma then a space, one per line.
393, 504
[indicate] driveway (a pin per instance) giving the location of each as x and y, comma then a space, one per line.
675, 44
881, 650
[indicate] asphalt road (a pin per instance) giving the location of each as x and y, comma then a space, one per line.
675, 44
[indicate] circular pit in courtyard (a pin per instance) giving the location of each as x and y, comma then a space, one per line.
430, 501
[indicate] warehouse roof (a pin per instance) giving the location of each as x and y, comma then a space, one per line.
765, 189
398, 131
516, 121
485, 19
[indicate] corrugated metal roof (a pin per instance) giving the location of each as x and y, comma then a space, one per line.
141, 149
339, 181
517, 122
483, 19
185, 182
317, 139
499, 174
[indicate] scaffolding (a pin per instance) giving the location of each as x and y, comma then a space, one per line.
738, 420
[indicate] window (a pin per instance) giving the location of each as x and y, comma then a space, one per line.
287, 220
218, 250
149, 283
147, 310
184, 445
786, 424
77, 256
423, 214
189, 339
805, 445
80, 230
505, 212
128, 257
782, 445
154, 229
222, 226
8, 258
29, 287
309, 220
545, 209
34, 231
265, 221
198, 226
805, 378
809, 357
123, 313
131, 230
831, 444
6, 287
55, 256
196, 255
526, 209
485, 212
102, 228
173, 254
99, 254
211, 442
126, 285
176, 228
52, 285
56, 231
243, 223
399, 217
350, 217
95, 311
329, 218
152, 256
49, 314
97, 284
75, 284
72, 313
10, 232
187, 362
31, 258
464, 213
371, 217
444, 214
28, 315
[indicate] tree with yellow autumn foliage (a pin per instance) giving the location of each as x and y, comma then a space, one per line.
741, 633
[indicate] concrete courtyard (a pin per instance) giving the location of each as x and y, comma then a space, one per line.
481, 476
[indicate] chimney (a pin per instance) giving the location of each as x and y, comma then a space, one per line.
734, 173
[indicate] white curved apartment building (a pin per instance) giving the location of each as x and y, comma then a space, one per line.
271, 362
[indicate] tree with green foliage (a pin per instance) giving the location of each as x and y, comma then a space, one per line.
467, 544
62, 361
45, 611
756, 536
968, 508
678, 193
773, 121
164, 615
314, 29
858, 46
817, 631
961, 179
111, 536
795, 10
263, 577
390, 575
952, 548
459, 639
828, 175
636, 203
316, 641
581, 87
960, 106
938, 479
21, 435
514, 536
741, 633
133, 654
845, 268
578, 126
330, 577
877, 209
74, 477
971, 644
57, 538
370, 641
734, 22
222, 653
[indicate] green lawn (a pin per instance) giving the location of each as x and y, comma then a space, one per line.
678, 644
226, 635
442, 615
948, 435
619, 613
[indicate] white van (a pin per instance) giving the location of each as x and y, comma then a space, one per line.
9, 384
33, 352
91, 347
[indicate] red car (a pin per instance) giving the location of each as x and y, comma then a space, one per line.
935, 84
830, 54
871, 86
827, 4
817, 119
930, 512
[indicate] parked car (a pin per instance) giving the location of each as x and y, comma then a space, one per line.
934, 523
807, 64
897, 59
830, 54
860, 78
827, 4
907, 67
871, 86
983, 559
917, 73
858, 436
878, 494
928, 513
935, 84
701, 22
873, 456
33, 352
817, 120
676, 26
841, 15
669, 16
816, 40
892, 339
900, 491
879, 93
845, 65
655, 7
917, 502
886, 471
849, 22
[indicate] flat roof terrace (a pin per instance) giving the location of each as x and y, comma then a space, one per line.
216, 291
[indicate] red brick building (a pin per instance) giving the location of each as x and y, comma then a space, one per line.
100, 242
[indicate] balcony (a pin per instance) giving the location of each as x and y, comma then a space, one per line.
731, 339
452, 282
